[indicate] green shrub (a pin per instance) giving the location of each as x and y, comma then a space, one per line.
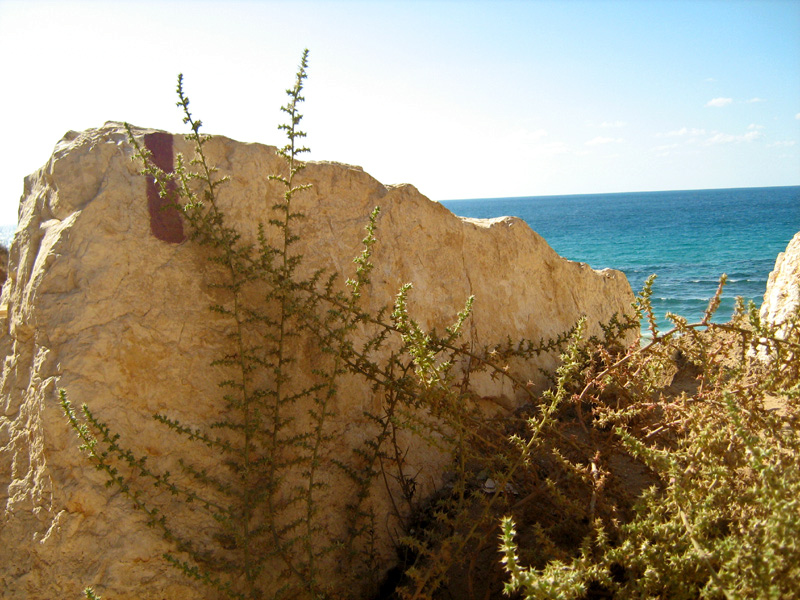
721, 518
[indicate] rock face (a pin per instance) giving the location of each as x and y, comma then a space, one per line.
106, 299
782, 298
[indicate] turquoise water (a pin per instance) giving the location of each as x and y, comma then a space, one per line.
687, 238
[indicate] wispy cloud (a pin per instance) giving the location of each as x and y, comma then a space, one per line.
723, 138
691, 136
719, 102
683, 131
753, 133
599, 141
711, 80
782, 144
612, 124
756, 99
797, 116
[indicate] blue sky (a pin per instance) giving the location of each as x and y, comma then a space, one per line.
462, 99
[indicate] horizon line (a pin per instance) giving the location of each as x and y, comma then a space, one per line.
748, 187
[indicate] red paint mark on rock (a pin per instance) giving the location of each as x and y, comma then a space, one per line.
165, 219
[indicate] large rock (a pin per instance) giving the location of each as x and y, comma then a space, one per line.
782, 297
107, 300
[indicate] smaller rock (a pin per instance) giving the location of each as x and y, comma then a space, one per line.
490, 486
782, 298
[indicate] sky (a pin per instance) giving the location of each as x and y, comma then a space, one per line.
462, 99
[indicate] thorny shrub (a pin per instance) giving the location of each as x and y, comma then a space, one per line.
709, 412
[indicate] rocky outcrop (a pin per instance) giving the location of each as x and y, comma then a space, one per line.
782, 298
107, 299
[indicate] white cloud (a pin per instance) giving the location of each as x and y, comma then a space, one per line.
598, 141
797, 116
756, 99
751, 135
612, 124
783, 144
711, 80
754, 127
722, 138
719, 102
728, 138
692, 132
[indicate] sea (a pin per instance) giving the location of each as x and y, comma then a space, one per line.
688, 239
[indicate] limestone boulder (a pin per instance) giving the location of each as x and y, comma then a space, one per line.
108, 299
782, 297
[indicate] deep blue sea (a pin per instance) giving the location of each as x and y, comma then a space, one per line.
687, 238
